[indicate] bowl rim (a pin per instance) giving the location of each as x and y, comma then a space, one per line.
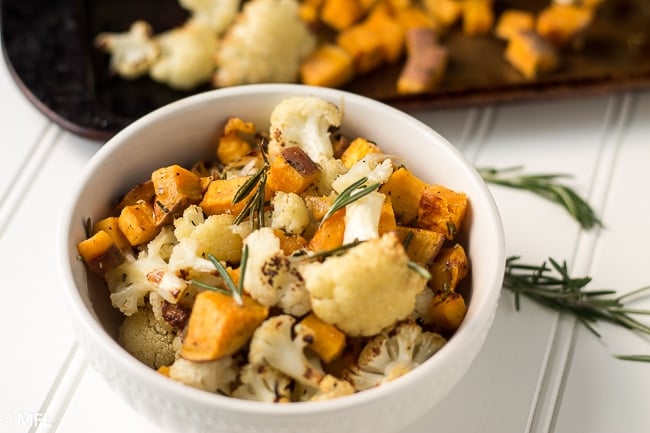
91, 327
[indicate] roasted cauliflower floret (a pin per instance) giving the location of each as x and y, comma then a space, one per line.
271, 278
133, 52
280, 344
365, 290
211, 376
306, 122
216, 14
266, 43
392, 354
261, 382
148, 339
186, 56
289, 213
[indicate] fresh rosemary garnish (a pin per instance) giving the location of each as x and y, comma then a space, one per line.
548, 187
233, 290
349, 195
419, 269
254, 207
553, 287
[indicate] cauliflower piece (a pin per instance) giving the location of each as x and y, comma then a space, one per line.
330, 169
306, 122
273, 344
376, 167
185, 225
332, 387
211, 376
216, 14
271, 278
133, 52
262, 382
392, 354
147, 339
365, 290
290, 213
362, 218
266, 43
186, 56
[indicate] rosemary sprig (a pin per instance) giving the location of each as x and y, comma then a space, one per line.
349, 195
233, 289
548, 187
254, 207
553, 287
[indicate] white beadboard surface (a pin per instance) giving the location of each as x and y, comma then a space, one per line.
538, 372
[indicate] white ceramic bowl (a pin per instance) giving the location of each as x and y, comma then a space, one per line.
183, 132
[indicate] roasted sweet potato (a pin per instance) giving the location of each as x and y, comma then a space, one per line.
327, 66
111, 226
404, 190
219, 327
291, 171
330, 233
530, 54
142, 192
218, 197
478, 17
513, 21
329, 341
447, 311
424, 245
232, 146
358, 148
562, 25
100, 253
341, 14
175, 188
449, 268
138, 223
426, 62
445, 12
441, 210
387, 220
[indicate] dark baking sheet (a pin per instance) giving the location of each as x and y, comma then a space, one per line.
48, 48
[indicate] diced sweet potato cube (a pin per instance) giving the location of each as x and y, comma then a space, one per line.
111, 226
358, 148
441, 210
363, 46
289, 243
563, 24
100, 253
219, 327
530, 54
449, 268
426, 63
137, 223
329, 341
387, 221
388, 31
142, 192
232, 146
327, 66
329, 234
404, 190
444, 12
513, 21
341, 14
447, 311
291, 171
424, 245
318, 205
175, 188
218, 197
478, 17
412, 17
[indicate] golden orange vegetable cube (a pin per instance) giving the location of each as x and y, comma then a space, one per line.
137, 223
387, 220
142, 192
219, 195
478, 17
445, 12
404, 190
318, 205
291, 171
426, 63
329, 341
449, 268
341, 14
175, 188
563, 24
358, 148
219, 327
388, 30
100, 253
328, 66
442, 210
363, 46
513, 21
424, 245
111, 226
289, 243
530, 54
447, 311
329, 234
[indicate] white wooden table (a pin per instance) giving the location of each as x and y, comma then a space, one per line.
538, 371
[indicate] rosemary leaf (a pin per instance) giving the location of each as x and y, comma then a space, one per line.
254, 207
553, 287
349, 195
234, 290
547, 186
